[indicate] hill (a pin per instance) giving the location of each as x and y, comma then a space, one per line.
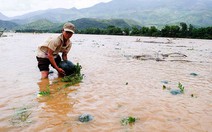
48, 26
147, 13
7, 24
38, 25
102, 23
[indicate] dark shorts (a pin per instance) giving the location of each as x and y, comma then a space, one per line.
43, 63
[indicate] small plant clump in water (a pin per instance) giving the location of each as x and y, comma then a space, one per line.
128, 120
181, 87
44, 93
21, 116
178, 91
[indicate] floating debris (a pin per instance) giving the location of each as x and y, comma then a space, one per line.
165, 82
85, 118
175, 92
21, 117
174, 55
181, 60
194, 74
164, 87
162, 57
157, 42
143, 57
193, 96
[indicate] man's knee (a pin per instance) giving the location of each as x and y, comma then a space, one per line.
44, 74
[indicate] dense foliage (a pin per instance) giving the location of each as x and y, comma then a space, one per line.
180, 31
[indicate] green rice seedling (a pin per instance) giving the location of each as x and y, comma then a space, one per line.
45, 93
181, 87
128, 120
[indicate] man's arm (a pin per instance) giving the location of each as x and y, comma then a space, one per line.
64, 55
52, 61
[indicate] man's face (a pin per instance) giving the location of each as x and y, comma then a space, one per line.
67, 35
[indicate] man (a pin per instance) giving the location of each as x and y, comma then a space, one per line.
48, 53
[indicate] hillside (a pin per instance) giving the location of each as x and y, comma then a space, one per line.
7, 25
102, 23
38, 25
48, 26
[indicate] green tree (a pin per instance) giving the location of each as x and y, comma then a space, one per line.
112, 30
126, 31
144, 31
153, 31
135, 31
183, 29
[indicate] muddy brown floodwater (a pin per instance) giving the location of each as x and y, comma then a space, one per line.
123, 77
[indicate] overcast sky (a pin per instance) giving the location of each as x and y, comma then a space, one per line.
18, 7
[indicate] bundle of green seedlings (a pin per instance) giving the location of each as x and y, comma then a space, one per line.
75, 77
181, 87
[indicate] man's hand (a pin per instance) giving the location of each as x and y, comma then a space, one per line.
61, 71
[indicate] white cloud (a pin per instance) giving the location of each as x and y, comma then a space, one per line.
19, 7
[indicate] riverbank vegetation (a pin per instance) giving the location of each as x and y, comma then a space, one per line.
177, 31
182, 30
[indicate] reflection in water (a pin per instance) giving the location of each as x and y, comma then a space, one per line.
57, 105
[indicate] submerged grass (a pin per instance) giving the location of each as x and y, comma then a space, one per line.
45, 93
181, 87
128, 120
21, 117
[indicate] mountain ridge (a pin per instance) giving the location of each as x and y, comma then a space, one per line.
147, 13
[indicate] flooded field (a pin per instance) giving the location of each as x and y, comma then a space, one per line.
124, 77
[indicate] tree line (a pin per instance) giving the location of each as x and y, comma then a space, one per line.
179, 31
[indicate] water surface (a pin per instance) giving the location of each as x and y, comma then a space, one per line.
122, 77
